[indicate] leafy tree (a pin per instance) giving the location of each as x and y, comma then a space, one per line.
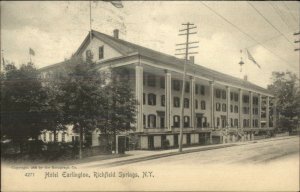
82, 97
287, 96
22, 99
119, 104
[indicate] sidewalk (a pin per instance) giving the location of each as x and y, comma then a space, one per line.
143, 155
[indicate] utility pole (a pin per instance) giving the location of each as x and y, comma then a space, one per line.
298, 49
188, 27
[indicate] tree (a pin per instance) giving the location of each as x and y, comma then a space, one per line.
22, 99
287, 96
119, 105
82, 97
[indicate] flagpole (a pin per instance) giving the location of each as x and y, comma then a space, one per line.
90, 21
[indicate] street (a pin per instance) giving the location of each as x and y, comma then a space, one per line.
253, 153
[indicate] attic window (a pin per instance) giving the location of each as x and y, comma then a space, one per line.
101, 52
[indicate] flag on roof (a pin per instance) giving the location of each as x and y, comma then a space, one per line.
250, 57
31, 52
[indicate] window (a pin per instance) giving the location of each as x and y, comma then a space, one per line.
50, 137
101, 52
246, 110
162, 122
231, 108
176, 85
236, 122
203, 105
196, 103
202, 90
218, 106
144, 98
187, 87
186, 121
196, 89
176, 102
231, 96
186, 103
224, 107
88, 54
245, 123
56, 137
162, 100
144, 120
151, 99
231, 122
205, 122
218, 121
218, 93
236, 109
223, 94
151, 121
255, 100
246, 98
162, 82
236, 97
151, 80
176, 120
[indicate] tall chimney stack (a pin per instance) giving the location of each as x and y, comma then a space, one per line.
116, 33
192, 59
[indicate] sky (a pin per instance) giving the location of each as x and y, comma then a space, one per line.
55, 30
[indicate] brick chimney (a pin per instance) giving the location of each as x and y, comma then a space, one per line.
192, 59
116, 33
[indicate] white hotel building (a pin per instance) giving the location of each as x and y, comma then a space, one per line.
218, 108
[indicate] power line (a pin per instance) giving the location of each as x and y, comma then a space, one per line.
278, 12
249, 36
289, 11
267, 20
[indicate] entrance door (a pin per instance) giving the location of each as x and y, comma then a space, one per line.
199, 122
150, 142
188, 139
121, 144
175, 140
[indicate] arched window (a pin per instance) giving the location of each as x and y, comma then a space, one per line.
151, 121
236, 109
224, 107
186, 121
203, 105
218, 106
151, 99
186, 103
162, 100
176, 102
176, 121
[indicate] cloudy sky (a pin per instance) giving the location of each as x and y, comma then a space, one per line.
55, 29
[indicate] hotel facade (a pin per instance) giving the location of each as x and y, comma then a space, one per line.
218, 108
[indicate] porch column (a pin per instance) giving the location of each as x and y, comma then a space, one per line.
240, 108
228, 105
212, 112
267, 112
168, 99
139, 97
274, 113
251, 109
192, 101
259, 110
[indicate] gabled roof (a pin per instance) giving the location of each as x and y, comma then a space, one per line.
126, 48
